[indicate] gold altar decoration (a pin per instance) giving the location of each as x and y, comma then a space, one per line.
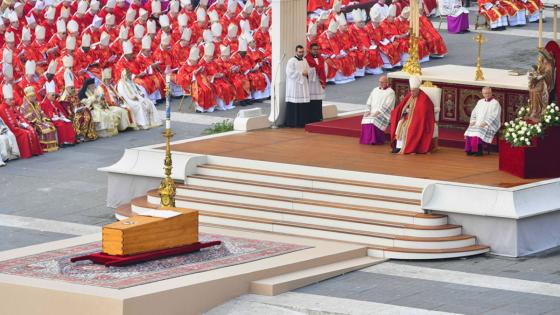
412, 65
479, 39
167, 188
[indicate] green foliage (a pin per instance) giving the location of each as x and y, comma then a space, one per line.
219, 127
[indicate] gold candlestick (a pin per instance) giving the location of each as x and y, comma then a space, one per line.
412, 65
167, 186
479, 39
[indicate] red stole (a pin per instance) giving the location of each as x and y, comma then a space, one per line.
319, 68
421, 127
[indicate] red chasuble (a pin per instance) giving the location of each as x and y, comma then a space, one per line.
419, 126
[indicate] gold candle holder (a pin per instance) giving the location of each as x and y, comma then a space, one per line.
412, 65
478, 75
167, 188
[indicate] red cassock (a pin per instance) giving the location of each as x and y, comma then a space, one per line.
533, 6
82, 60
50, 29
201, 92
64, 130
258, 82
348, 44
366, 56
420, 128
391, 29
313, 5
26, 138
235, 67
95, 35
429, 5
32, 52
152, 81
25, 83
330, 47
223, 88
55, 41
511, 7
262, 39
494, 13
403, 26
59, 78
104, 55
233, 44
432, 37
180, 54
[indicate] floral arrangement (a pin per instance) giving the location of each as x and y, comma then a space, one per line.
551, 115
519, 132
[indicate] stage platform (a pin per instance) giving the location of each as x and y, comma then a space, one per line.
350, 126
296, 146
289, 181
40, 279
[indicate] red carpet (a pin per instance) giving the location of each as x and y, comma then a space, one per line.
351, 127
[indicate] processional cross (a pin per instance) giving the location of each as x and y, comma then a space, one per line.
479, 39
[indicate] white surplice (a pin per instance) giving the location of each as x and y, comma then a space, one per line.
488, 112
382, 101
297, 85
316, 91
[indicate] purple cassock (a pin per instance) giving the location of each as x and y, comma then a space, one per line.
458, 24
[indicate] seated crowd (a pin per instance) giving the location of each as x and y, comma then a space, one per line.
354, 49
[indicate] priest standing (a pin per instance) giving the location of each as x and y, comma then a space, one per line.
317, 83
484, 124
297, 90
380, 103
412, 121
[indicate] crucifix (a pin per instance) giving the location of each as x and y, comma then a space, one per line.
479, 39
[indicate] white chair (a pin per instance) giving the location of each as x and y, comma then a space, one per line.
434, 93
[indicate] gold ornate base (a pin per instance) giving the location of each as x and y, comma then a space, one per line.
412, 65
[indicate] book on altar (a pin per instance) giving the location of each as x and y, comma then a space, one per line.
151, 231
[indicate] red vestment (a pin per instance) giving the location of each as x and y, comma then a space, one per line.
197, 84
235, 68
64, 130
390, 49
432, 37
369, 56
419, 125
153, 79
330, 48
319, 67
26, 137
223, 89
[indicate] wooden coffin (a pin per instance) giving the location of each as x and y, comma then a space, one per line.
139, 234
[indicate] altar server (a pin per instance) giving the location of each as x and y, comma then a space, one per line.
484, 124
380, 103
413, 121
297, 90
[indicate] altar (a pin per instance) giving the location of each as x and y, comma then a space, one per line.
460, 91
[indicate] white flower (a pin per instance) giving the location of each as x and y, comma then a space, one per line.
556, 108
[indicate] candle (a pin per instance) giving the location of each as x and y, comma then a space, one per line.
540, 29
167, 103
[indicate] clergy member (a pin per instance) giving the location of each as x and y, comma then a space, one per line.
9, 149
484, 123
412, 121
317, 83
380, 103
457, 16
297, 90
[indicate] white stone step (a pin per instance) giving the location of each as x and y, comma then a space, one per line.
306, 217
298, 194
356, 212
311, 182
294, 280
333, 234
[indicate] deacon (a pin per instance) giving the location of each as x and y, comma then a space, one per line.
484, 123
297, 90
380, 103
317, 83
412, 121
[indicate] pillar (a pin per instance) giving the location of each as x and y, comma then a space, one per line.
289, 25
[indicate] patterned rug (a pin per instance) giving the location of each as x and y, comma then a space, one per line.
56, 265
